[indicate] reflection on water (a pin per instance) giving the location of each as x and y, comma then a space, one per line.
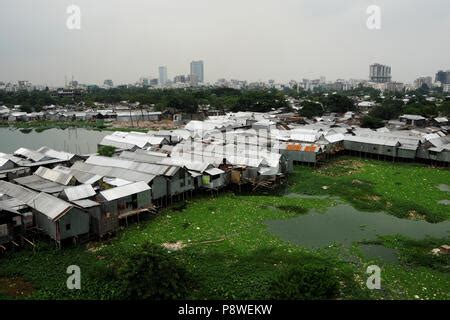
342, 224
75, 140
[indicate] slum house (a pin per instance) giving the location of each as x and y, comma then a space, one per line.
30, 155
213, 179
371, 145
132, 141
61, 155
47, 180
59, 219
302, 152
201, 166
440, 121
10, 226
143, 156
83, 197
244, 166
413, 120
16, 197
408, 143
141, 115
125, 201
178, 178
82, 177
11, 174
173, 136
158, 183
31, 159
435, 149
6, 164
195, 168
332, 143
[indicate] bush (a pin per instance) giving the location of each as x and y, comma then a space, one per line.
371, 122
152, 274
307, 282
106, 151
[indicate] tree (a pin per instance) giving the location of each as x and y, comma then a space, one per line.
371, 122
338, 103
444, 108
151, 273
389, 109
311, 109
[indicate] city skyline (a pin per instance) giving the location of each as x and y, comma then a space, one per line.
262, 40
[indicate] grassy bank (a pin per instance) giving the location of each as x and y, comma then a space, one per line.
225, 244
42, 125
403, 189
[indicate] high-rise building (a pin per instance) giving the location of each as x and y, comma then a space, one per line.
443, 77
380, 73
420, 82
162, 75
108, 83
197, 72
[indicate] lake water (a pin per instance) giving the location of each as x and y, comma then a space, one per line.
75, 140
376, 251
342, 224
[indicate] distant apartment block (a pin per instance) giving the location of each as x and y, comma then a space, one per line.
446, 88
380, 73
443, 77
163, 75
420, 82
197, 72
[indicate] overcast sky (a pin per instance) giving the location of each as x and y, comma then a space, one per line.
250, 40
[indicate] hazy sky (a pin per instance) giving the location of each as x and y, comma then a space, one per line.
250, 40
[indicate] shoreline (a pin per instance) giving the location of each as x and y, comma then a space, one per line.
40, 126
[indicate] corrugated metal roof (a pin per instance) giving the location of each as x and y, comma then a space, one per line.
5, 207
30, 154
40, 184
56, 154
86, 203
50, 206
151, 168
185, 161
116, 182
412, 117
141, 157
15, 191
4, 161
214, 171
195, 174
335, 138
121, 173
373, 140
117, 143
124, 191
82, 191
303, 137
13, 203
54, 175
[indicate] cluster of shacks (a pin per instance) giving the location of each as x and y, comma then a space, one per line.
70, 197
